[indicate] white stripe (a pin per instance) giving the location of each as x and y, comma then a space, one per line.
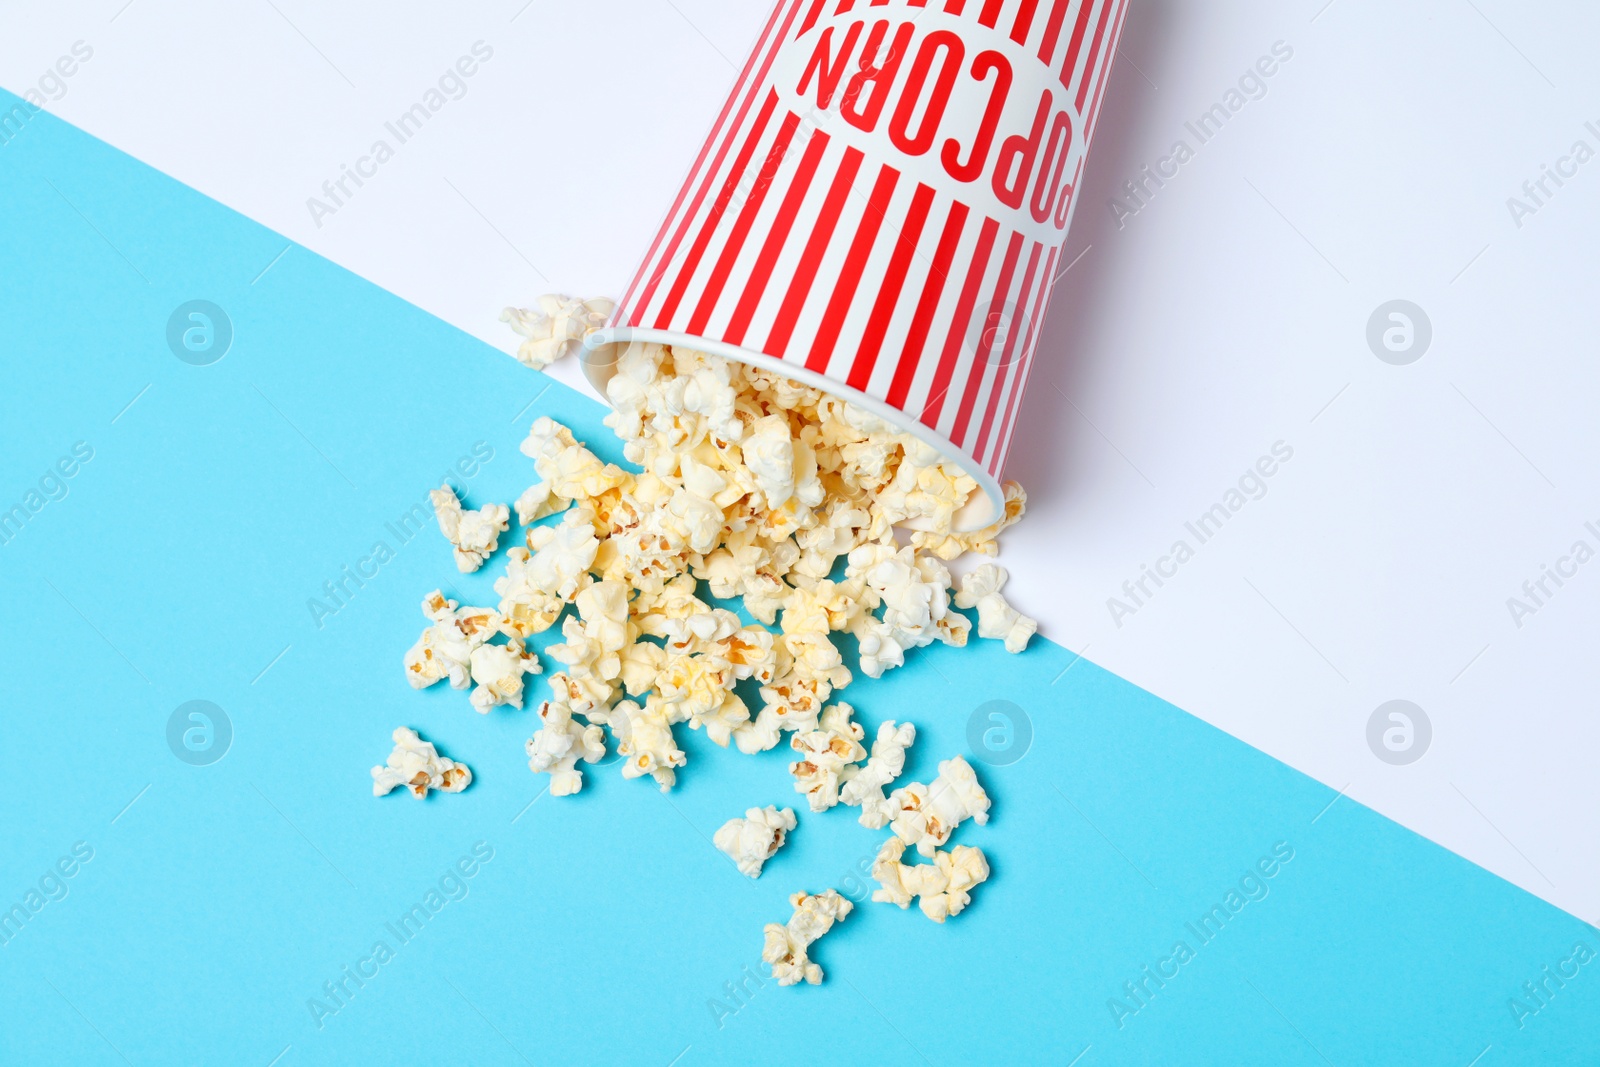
788, 262
944, 314
865, 294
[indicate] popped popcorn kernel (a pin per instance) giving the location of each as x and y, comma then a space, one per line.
926, 815
557, 747
474, 535
417, 765
786, 946
825, 753
555, 327
751, 841
996, 618
445, 648
944, 886
497, 671
862, 786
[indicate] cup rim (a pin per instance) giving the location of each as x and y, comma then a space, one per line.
983, 508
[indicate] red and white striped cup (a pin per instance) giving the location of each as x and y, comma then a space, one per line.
881, 209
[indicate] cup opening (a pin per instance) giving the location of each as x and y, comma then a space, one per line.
604, 347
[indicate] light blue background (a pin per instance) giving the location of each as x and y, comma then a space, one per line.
180, 565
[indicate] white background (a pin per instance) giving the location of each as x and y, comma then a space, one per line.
1227, 314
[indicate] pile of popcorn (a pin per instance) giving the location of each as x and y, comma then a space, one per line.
756, 488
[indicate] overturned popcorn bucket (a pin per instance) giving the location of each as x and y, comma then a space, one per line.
881, 209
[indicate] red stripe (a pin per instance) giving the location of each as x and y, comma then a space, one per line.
922, 319
805, 272
811, 17
954, 6
844, 5
1052, 30
1024, 23
894, 283
734, 244
1002, 444
1073, 46
694, 173
958, 325
990, 13
1008, 360
1094, 54
855, 262
761, 272
713, 219
980, 359
1094, 111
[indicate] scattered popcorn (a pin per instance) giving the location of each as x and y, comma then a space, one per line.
555, 327
944, 885
996, 618
473, 534
556, 748
417, 765
753, 487
445, 648
751, 841
826, 752
925, 815
786, 946
497, 671
862, 786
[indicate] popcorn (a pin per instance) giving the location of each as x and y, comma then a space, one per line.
757, 486
644, 735
570, 471
944, 885
786, 946
417, 765
862, 786
751, 841
473, 534
555, 327
948, 546
556, 748
497, 670
926, 815
445, 648
696, 690
825, 754
915, 594
996, 618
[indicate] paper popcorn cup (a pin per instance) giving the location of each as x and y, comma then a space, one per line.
881, 208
